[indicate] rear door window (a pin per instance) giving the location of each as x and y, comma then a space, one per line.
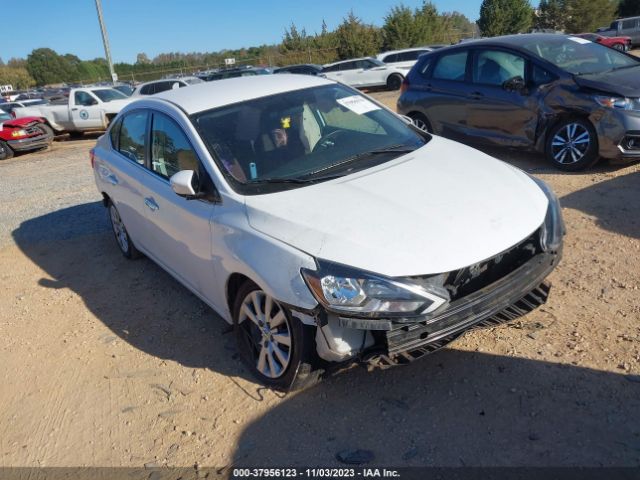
452, 66
629, 24
133, 136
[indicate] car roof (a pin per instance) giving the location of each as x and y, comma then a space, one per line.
208, 95
412, 49
348, 60
518, 40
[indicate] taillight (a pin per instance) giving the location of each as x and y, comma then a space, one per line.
405, 85
92, 156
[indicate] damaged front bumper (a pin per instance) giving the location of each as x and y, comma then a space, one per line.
385, 343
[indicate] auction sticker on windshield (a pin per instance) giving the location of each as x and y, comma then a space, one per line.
579, 40
357, 104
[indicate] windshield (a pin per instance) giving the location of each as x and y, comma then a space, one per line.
580, 56
4, 116
304, 136
108, 94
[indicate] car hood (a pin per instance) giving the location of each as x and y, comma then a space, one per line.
20, 122
624, 82
438, 209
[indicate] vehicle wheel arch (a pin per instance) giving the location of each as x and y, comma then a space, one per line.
557, 119
105, 199
419, 114
234, 283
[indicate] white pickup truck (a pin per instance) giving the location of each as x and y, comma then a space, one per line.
87, 109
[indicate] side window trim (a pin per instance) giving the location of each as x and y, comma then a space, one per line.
146, 136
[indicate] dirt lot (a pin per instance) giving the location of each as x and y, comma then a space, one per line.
107, 362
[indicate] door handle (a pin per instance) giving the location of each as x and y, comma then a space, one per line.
74, 109
476, 95
151, 203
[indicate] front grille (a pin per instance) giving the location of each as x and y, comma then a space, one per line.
33, 130
432, 342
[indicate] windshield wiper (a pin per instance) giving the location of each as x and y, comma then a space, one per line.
293, 180
392, 149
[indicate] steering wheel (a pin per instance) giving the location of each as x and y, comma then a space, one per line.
328, 140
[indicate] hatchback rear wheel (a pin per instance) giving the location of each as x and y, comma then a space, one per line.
420, 121
572, 145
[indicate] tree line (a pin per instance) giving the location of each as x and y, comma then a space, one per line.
403, 27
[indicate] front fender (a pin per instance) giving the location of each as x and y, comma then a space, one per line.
273, 265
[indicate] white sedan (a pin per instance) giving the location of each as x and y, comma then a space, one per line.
364, 72
321, 225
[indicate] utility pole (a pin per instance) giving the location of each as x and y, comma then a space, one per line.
105, 41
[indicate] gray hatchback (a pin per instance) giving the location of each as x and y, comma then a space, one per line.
572, 99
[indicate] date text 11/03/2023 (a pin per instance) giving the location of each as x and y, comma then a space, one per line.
315, 473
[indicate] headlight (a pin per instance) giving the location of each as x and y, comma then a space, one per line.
553, 227
618, 102
19, 133
342, 289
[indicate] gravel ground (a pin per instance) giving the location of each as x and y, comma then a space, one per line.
108, 362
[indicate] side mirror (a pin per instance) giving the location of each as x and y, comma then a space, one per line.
515, 84
185, 183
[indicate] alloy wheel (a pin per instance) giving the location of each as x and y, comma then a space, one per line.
118, 229
267, 332
570, 144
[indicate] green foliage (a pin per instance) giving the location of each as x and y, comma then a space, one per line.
400, 29
504, 17
19, 78
629, 8
588, 15
356, 39
551, 14
405, 28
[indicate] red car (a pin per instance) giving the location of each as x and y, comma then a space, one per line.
20, 134
619, 43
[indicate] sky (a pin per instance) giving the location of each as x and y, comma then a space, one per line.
162, 26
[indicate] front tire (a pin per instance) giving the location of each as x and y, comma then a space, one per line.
619, 46
276, 347
420, 121
572, 145
5, 151
126, 246
394, 82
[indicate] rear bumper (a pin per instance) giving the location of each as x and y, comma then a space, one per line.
31, 143
514, 295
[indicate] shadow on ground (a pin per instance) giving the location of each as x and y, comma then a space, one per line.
615, 203
137, 300
453, 408
456, 408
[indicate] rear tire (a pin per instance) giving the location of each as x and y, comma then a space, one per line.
126, 246
394, 81
277, 348
572, 145
5, 151
421, 121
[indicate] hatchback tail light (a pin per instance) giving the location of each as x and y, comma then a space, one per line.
405, 85
92, 156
